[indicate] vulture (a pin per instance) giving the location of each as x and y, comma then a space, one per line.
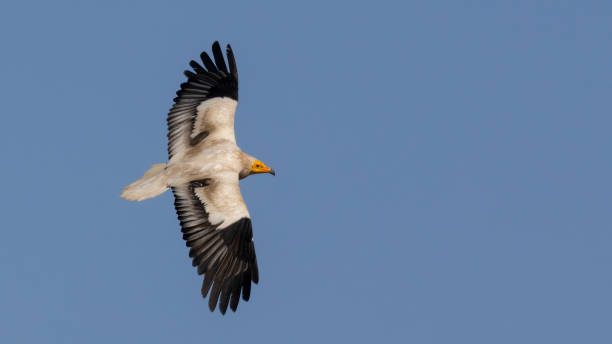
203, 169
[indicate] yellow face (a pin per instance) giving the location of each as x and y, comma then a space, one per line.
259, 167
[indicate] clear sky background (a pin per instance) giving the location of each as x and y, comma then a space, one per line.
444, 171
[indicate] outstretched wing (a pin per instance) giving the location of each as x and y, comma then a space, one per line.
217, 227
205, 104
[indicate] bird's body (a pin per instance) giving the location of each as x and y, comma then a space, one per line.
203, 170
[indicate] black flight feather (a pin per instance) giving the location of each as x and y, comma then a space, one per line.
232, 62
219, 60
235, 299
208, 62
196, 67
189, 74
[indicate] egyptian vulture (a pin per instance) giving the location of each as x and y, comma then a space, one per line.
203, 169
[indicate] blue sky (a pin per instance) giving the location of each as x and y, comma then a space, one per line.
443, 171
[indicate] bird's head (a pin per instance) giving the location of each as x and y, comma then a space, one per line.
259, 167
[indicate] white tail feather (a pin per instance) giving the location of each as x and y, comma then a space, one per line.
152, 184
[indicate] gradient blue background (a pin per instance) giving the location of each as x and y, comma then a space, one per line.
444, 171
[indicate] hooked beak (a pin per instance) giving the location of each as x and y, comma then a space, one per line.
272, 172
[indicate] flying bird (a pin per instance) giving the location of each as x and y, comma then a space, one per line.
203, 169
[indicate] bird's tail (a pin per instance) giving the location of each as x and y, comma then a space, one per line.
153, 183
